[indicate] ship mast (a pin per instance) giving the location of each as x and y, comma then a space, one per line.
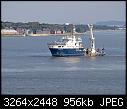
92, 39
73, 32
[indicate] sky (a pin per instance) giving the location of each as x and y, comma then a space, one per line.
60, 12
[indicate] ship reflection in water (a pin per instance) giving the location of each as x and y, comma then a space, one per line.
68, 59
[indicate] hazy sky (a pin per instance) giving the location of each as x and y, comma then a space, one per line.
77, 12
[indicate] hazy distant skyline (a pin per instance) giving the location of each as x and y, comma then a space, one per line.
59, 12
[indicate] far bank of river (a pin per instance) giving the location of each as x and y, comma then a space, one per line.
55, 34
41, 35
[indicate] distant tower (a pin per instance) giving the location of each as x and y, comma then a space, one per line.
92, 39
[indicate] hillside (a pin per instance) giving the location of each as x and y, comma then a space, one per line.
112, 22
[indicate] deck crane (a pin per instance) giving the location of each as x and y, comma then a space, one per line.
92, 39
92, 51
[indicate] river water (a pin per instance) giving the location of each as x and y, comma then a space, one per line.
28, 67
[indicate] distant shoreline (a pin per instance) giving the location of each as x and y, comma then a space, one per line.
35, 35
41, 35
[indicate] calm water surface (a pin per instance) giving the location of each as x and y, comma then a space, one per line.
29, 68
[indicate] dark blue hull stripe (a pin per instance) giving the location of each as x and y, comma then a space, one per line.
67, 52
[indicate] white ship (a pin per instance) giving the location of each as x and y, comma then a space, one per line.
71, 45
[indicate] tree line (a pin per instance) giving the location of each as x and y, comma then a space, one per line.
80, 28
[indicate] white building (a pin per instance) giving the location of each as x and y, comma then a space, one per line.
9, 32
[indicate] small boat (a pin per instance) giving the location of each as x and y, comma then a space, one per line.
100, 52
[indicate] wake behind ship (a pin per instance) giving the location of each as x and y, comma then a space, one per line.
70, 45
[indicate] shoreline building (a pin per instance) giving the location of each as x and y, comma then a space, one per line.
9, 31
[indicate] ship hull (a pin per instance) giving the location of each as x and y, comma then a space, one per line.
67, 52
